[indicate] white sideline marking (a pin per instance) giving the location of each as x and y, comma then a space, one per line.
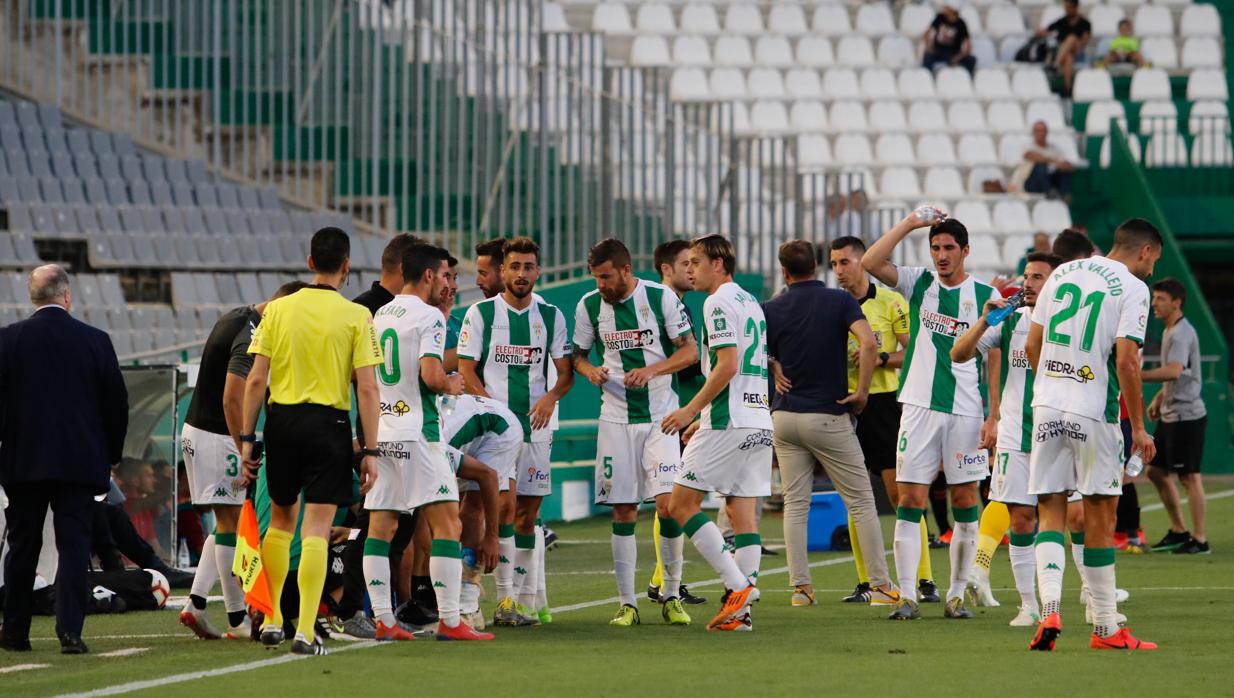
1158, 506
22, 667
126, 652
148, 636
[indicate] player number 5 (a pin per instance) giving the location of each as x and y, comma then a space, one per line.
608, 466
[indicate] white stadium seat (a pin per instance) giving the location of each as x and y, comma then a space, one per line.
808, 116
978, 176
1133, 144
787, 20
926, 116
1051, 14
611, 18
976, 149
768, 117
855, 51
1047, 110
1160, 51
852, 149
848, 115
765, 83
689, 84
655, 18
773, 51
815, 52
741, 118
841, 83
1005, 116
813, 151
1207, 84
733, 51
893, 149
896, 52
887, 115
1208, 116
874, 19
975, 216
1200, 20
943, 183
1092, 84
691, 51
728, 83
972, 18
555, 18
1011, 148
985, 255
1165, 150
1011, 217
1100, 114
649, 50
1003, 20
1150, 83
1212, 150
984, 50
743, 19
878, 83
992, 83
1154, 20
965, 117
1051, 216
1105, 19
900, 182
935, 149
916, 83
1202, 52
953, 83
1158, 116
699, 18
915, 20
831, 20
1030, 83
801, 83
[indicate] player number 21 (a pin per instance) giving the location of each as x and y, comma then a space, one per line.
1075, 301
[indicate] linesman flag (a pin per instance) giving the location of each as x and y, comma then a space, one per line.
247, 566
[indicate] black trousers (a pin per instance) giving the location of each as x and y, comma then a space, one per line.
353, 580
114, 535
72, 509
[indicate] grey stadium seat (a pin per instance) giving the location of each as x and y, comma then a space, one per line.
118, 317
173, 220
123, 249
166, 252
176, 173
250, 198
152, 220
97, 316
23, 244
51, 191
152, 166
270, 282
160, 193
9, 191
28, 190
145, 248
249, 250
228, 199
40, 164
96, 190
259, 223
130, 167
49, 115
194, 223
270, 199
139, 192
208, 251
280, 222
78, 140
109, 166
229, 290
294, 251
20, 220
186, 251
62, 165
250, 290
86, 291
117, 191
186, 318
109, 219
196, 172
87, 220
237, 222
228, 251
122, 342
73, 191
207, 292
207, 194
182, 194
100, 143
130, 220
183, 290
216, 222
122, 144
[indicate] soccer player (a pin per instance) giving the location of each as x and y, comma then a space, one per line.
632, 323
514, 348
878, 423
1009, 484
306, 349
728, 449
210, 442
672, 259
1083, 345
489, 256
942, 414
412, 469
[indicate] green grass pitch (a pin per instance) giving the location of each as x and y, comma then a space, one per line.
1181, 602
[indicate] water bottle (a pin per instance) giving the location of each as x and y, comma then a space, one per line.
930, 215
447, 405
997, 315
1135, 465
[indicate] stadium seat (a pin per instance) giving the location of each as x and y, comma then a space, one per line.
1165, 150
887, 115
691, 51
1097, 122
1047, 110
831, 20
733, 51
1105, 19
855, 51
852, 149
915, 20
699, 18
1003, 20
1212, 150
1160, 51
769, 117
1208, 116
894, 149
936, 149
1150, 83
815, 52
916, 83
984, 254
728, 83
976, 149
649, 50
953, 83
800, 83
1005, 116
554, 18
611, 18
925, 116
773, 51
1200, 20
848, 115
1201, 52
1051, 216
878, 83
975, 216
991, 83
841, 83
1154, 20
1207, 84
765, 83
1133, 145
874, 20
943, 183
900, 182
1011, 217
971, 17
978, 176
808, 116
1091, 85
655, 18
743, 19
965, 117
984, 50
896, 52
1158, 116
813, 151
787, 20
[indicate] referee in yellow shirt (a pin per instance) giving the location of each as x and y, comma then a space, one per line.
878, 425
307, 347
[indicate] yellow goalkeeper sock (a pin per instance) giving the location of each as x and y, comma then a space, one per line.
995, 521
312, 578
275, 561
657, 577
925, 570
863, 577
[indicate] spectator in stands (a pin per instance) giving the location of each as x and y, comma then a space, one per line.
1045, 169
947, 41
853, 220
1125, 48
1072, 31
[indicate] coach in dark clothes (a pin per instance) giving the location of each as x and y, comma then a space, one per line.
63, 416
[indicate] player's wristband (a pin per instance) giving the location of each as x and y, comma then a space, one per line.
248, 438
882, 359
370, 452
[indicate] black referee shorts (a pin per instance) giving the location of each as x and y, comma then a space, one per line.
878, 425
1180, 446
308, 448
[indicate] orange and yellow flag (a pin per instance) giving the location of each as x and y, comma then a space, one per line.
248, 567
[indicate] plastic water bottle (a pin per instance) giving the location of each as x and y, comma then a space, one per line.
1135, 465
447, 405
929, 215
997, 315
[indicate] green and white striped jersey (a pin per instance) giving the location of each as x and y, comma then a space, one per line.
1015, 413
1084, 308
408, 329
733, 318
937, 315
514, 351
471, 417
635, 333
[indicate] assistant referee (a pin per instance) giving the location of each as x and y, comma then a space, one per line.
306, 348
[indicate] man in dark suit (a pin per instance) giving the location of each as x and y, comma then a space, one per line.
63, 416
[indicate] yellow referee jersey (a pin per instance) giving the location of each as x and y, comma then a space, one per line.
315, 338
887, 313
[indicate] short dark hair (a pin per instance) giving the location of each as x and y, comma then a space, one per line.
609, 250
1048, 257
1173, 288
392, 256
1071, 245
289, 288
666, 252
951, 227
797, 258
716, 246
451, 260
1123, 21
419, 258
1137, 232
521, 245
493, 249
329, 249
848, 241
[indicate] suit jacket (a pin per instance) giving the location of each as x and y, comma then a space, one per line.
63, 404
